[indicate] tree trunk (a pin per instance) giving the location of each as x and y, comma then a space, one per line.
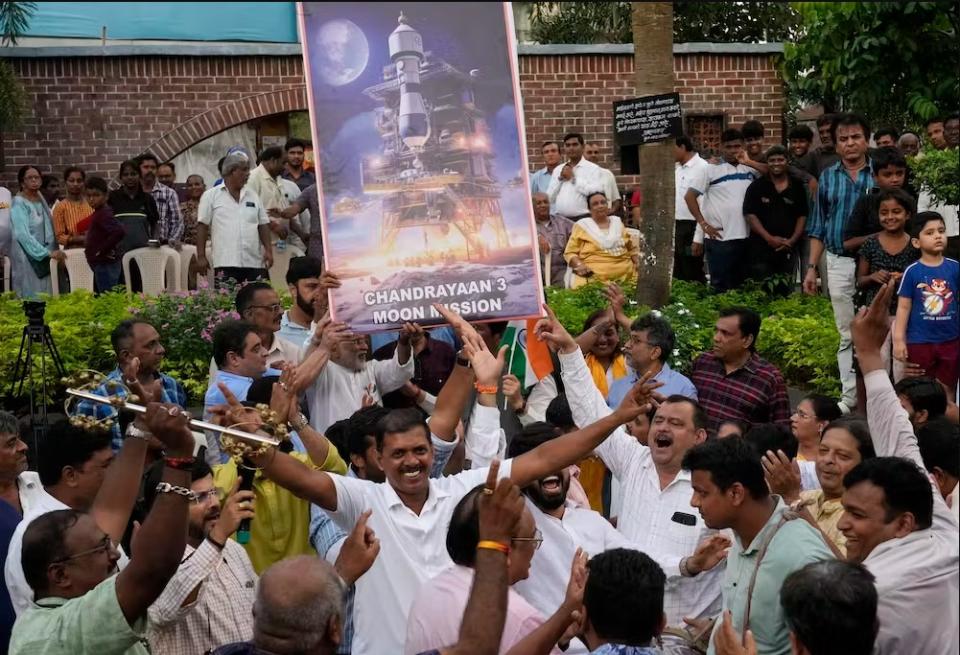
653, 65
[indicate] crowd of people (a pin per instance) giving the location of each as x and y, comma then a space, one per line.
844, 217
617, 506
252, 209
424, 501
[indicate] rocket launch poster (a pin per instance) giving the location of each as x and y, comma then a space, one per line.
421, 163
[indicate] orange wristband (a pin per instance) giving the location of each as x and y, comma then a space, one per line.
482, 388
494, 545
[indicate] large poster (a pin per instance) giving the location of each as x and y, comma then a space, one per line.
421, 165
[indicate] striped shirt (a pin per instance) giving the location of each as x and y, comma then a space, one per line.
837, 195
755, 392
66, 215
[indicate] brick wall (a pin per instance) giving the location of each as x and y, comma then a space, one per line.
98, 111
565, 93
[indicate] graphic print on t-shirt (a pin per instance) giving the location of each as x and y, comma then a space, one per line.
937, 297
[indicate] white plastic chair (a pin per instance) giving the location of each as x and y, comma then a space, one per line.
281, 262
6, 273
187, 254
78, 271
159, 269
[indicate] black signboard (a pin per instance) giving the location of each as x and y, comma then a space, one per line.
647, 119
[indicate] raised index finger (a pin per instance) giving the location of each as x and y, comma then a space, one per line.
228, 395
492, 475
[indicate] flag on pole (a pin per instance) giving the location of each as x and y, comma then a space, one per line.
528, 359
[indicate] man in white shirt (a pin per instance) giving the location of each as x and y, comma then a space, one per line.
233, 216
656, 515
265, 182
299, 232
564, 527
573, 180
349, 380
723, 187
591, 152
689, 167
411, 511
72, 470
895, 520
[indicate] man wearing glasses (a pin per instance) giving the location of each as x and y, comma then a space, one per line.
259, 305
438, 607
209, 601
82, 603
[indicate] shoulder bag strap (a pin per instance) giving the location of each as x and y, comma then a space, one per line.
788, 515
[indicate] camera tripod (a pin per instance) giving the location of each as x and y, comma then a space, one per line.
35, 332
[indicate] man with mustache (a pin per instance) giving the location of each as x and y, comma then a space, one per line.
564, 526
411, 511
656, 514
208, 601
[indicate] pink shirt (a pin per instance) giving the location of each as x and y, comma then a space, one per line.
437, 610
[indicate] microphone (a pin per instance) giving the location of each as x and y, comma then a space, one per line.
247, 473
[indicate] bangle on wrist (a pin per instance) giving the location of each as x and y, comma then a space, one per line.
485, 388
180, 463
167, 488
486, 544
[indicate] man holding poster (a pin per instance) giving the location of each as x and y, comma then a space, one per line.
421, 163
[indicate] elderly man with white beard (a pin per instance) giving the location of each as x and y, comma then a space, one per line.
657, 516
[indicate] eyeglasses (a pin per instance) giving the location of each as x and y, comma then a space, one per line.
201, 497
633, 340
105, 545
275, 307
536, 539
801, 414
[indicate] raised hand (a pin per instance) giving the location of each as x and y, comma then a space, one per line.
501, 507
710, 552
486, 366
782, 475
550, 329
512, 391
411, 333
359, 551
237, 507
639, 399
170, 425
235, 414
459, 324
869, 328
573, 598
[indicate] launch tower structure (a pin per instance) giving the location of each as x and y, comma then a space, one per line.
434, 171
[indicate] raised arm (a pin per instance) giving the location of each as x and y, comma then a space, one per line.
299, 479
486, 611
159, 545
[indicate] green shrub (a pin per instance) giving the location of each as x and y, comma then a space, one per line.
938, 173
797, 333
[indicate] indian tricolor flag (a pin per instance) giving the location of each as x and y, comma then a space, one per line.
527, 358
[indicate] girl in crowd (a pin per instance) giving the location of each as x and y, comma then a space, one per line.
599, 247
884, 257
808, 422
34, 241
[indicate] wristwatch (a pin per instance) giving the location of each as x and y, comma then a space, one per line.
461, 360
134, 431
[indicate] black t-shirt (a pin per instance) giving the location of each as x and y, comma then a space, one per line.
777, 211
865, 218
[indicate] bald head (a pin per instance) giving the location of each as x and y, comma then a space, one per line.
541, 206
298, 608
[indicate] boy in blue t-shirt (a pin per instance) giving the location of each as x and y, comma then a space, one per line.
927, 328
